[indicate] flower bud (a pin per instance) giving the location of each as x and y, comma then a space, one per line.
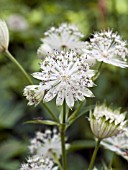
44, 50
4, 36
105, 122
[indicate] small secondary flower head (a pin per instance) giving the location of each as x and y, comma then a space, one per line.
34, 94
109, 47
4, 36
105, 122
66, 76
47, 144
118, 144
38, 163
66, 36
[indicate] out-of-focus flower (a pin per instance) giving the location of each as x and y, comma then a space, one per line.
105, 122
4, 36
109, 47
17, 22
66, 36
118, 144
47, 144
66, 76
44, 50
34, 94
38, 163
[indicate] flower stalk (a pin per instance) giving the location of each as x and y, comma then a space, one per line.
62, 133
10, 56
94, 154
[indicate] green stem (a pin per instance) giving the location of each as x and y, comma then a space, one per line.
51, 113
18, 65
62, 133
94, 155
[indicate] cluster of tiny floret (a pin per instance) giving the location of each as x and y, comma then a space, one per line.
47, 144
38, 163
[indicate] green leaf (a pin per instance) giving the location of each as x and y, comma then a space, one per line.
9, 116
11, 148
45, 122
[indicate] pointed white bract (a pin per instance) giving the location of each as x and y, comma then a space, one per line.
118, 144
105, 122
4, 36
66, 36
34, 94
46, 145
109, 47
38, 163
66, 76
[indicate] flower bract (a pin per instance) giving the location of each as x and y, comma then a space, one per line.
106, 122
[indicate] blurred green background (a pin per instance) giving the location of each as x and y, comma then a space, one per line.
27, 21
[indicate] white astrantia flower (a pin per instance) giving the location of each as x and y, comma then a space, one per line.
47, 144
106, 122
4, 36
34, 94
109, 47
67, 76
38, 163
118, 144
66, 36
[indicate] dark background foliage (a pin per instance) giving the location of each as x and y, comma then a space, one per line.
112, 85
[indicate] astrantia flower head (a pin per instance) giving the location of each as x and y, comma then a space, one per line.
109, 47
64, 37
38, 163
47, 144
34, 94
4, 36
118, 144
106, 122
66, 76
